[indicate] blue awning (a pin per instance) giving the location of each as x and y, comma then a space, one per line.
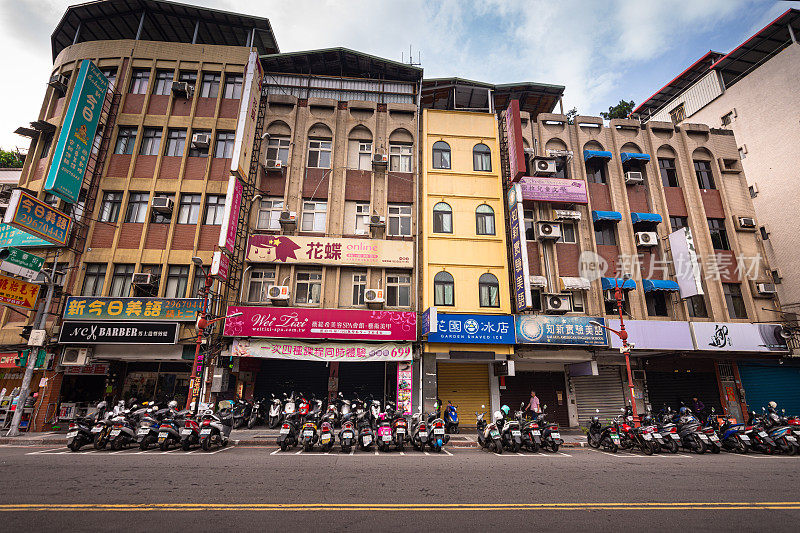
613, 216
609, 283
638, 218
599, 154
625, 156
651, 285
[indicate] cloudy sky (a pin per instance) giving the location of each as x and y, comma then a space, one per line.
600, 50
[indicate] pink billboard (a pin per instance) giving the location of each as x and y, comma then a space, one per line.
347, 324
516, 152
554, 190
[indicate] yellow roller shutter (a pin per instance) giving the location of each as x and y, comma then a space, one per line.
467, 386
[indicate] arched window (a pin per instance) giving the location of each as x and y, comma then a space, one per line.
441, 155
443, 289
489, 290
481, 158
442, 218
484, 220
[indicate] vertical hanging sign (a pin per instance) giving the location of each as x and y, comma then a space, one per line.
230, 215
519, 250
248, 116
516, 152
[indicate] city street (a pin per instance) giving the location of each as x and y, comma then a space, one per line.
243, 488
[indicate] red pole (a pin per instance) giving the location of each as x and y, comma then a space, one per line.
199, 361
623, 335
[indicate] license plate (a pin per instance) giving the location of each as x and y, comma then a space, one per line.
186, 431
537, 432
515, 433
284, 431
675, 436
657, 435
555, 435
494, 433
401, 431
206, 431
115, 432
790, 438
143, 431
762, 434
308, 433
703, 437
326, 438
347, 435
615, 439
744, 438
423, 433
714, 438
647, 436
72, 434
438, 431
367, 440
162, 434
97, 429
387, 438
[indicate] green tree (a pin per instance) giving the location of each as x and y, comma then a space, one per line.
621, 110
571, 114
10, 159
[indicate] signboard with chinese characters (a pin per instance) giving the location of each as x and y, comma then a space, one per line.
684, 260
404, 388
95, 369
73, 332
248, 114
544, 189
220, 265
31, 215
13, 237
17, 293
295, 323
77, 133
330, 251
172, 309
428, 321
326, 351
473, 329
563, 330
516, 152
738, 337
230, 214
519, 251
22, 263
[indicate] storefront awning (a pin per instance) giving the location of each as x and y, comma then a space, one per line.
596, 154
609, 283
611, 216
574, 284
639, 218
538, 281
627, 156
650, 285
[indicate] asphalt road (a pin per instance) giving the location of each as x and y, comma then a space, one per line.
263, 489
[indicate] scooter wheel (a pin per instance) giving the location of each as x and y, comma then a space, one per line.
225, 442
498, 448
672, 446
346, 449
714, 448
185, 446
251, 423
455, 430
74, 446
116, 445
534, 447
284, 446
401, 447
308, 447
416, 446
164, 445
554, 447
741, 447
699, 446
646, 448
205, 444
99, 444
613, 448
515, 448
592, 441
144, 445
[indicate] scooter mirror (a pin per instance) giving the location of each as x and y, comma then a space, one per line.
544, 407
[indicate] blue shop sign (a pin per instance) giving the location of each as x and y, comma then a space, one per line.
563, 330
473, 329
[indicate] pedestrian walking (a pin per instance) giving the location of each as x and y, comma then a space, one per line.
533, 403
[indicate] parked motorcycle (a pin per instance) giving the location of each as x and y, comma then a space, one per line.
81, 430
531, 434
760, 440
488, 434
451, 418
780, 431
123, 433
690, 432
215, 428
190, 433
326, 436
169, 432
149, 422
419, 432
366, 437
384, 432
668, 429
438, 438
347, 436
510, 432
241, 413
256, 413
602, 436
551, 437
399, 429
731, 434
308, 433
274, 416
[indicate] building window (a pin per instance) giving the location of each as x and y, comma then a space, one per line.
441, 155
137, 207
536, 299
151, 141
319, 154
696, 306
733, 297
489, 290
530, 224
139, 81
443, 289
702, 169
398, 290
481, 158
47, 141
111, 75
176, 140
677, 223
596, 170
109, 209
314, 214
188, 76
223, 146
656, 303
177, 281
562, 168
669, 174
189, 209
198, 283
776, 277
198, 151
611, 305
359, 287
161, 218
400, 157
719, 235
308, 288
260, 282
121, 281
209, 88
215, 209
604, 234
278, 149
442, 218
359, 155
484, 219
163, 85
678, 114
126, 139
93, 279
578, 305
269, 213
399, 220
362, 218
233, 86
568, 233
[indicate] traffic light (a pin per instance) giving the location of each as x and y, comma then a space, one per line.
22, 358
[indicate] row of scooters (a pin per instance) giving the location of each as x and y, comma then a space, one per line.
670, 431
532, 433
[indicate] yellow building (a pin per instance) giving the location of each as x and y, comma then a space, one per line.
464, 258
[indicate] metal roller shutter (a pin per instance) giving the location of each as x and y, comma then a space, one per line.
672, 388
764, 384
467, 386
603, 392
546, 384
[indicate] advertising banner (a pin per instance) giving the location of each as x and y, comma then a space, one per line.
350, 324
13, 237
94, 308
473, 329
516, 152
77, 133
330, 251
738, 337
562, 330
230, 214
31, 215
404, 388
17, 293
519, 251
21, 263
687, 267
248, 113
654, 335
428, 321
544, 189
304, 351
220, 265
118, 332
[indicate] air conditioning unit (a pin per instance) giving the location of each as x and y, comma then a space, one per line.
273, 164
75, 356
377, 221
201, 140
142, 278
279, 294
646, 238
162, 204
58, 82
182, 89
543, 166
380, 159
633, 178
374, 296
548, 230
288, 218
747, 223
767, 289
557, 303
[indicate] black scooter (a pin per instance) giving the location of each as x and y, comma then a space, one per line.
602, 436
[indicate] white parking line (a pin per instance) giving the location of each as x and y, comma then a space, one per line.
448, 453
564, 454
45, 451
221, 450
273, 453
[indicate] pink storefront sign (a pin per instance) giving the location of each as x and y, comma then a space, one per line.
554, 190
349, 324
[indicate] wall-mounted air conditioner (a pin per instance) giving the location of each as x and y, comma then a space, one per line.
380, 159
377, 221
746, 223
273, 164
182, 89
59, 83
374, 296
633, 178
557, 303
142, 278
75, 356
646, 238
765, 288
279, 294
548, 231
201, 140
162, 205
543, 166
288, 218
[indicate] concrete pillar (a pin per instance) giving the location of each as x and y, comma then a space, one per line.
429, 385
